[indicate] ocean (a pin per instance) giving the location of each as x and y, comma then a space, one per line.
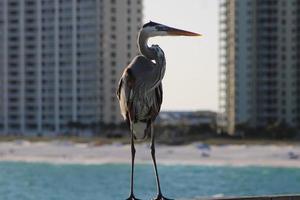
37, 181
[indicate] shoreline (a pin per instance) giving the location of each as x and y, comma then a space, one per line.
161, 163
199, 154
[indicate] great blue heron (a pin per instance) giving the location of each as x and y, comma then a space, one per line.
140, 90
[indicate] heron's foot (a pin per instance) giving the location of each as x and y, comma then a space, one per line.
132, 197
161, 197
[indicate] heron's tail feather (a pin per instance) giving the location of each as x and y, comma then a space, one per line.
141, 130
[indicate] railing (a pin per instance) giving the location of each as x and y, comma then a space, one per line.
277, 197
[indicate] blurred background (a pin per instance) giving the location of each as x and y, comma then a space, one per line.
229, 123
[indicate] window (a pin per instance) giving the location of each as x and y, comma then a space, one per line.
113, 45
113, 18
113, 36
113, 54
113, 63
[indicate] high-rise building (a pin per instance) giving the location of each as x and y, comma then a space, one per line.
60, 61
259, 63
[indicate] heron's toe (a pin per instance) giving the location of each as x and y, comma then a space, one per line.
160, 197
132, 198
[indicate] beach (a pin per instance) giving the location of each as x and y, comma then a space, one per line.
66, 152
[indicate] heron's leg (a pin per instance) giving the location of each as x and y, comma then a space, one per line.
154, 162
132, 163
132, 197
159, 194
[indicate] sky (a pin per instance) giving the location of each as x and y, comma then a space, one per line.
191, 79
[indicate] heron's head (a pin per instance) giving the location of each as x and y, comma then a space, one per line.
152, 29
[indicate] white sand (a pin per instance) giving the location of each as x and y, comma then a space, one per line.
194, 154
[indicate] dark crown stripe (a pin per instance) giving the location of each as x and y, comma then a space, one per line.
150, 24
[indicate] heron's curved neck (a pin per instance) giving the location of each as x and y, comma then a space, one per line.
143, 46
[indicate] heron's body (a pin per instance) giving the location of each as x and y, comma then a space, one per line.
140, 90
140, 93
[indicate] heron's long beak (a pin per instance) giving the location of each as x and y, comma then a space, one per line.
178, 32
